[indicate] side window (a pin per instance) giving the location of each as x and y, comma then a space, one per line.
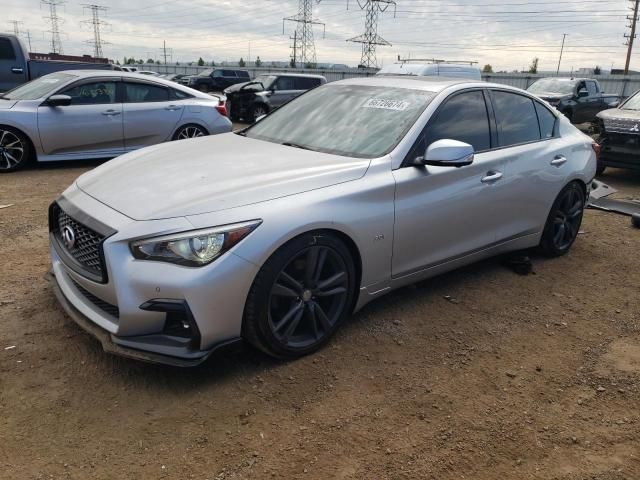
306, 83
517, 119
228, 73
242, 74
92, 93
546, 119
144, 92
217, 73
179, 95
462, 117
6, 50
591, 87
285, 83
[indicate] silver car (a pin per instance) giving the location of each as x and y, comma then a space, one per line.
349, 191
84, 114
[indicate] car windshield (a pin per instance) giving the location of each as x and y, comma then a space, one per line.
350, 120
552, 85
39, 87
633, 103
205, 73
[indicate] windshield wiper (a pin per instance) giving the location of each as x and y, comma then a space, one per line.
295, 145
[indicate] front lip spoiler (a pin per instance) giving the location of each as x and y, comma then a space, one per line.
107, 339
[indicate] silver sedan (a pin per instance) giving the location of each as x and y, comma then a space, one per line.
352, 190
84, 114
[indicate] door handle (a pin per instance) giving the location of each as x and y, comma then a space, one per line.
559, 160
172, 108
491, 177
111, 113
17, 70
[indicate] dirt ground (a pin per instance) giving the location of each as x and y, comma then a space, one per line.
519, 377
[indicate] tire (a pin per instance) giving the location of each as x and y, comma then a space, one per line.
600, 169
202, 88
291, 310
563, 222
569, 115
257, 111
15, 150
190, 131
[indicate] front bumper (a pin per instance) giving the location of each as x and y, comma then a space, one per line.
620, 156
134, 312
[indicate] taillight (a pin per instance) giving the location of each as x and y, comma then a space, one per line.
222, 109
596, 149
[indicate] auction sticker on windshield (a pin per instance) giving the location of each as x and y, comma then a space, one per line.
386, 104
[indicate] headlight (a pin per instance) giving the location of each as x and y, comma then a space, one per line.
195, 248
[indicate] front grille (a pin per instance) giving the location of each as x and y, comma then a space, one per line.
620, 125
106, 307
86, 250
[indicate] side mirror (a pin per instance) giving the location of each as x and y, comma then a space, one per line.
447, 153
583, 92
59, 101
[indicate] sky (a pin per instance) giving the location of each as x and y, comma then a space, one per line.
506, 34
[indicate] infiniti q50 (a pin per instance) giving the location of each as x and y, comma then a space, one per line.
277, 233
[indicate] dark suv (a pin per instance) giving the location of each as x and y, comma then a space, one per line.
253, 99
217, 79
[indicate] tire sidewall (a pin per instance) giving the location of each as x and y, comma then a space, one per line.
256, 317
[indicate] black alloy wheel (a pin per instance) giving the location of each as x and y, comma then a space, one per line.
300, 296
564, 221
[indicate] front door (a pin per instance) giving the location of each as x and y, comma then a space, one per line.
284, 89
13, 71
90, 127
150, 117
445, 213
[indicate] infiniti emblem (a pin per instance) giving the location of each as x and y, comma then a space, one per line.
634, 128
68, 237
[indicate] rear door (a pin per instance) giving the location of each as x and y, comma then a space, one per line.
150, 116
535, 157
90, 127
13, 69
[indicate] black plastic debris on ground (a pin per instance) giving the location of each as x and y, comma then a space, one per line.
519, 263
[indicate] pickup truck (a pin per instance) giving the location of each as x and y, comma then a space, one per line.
579, 99
17, 68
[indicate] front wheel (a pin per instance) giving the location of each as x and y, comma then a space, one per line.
300, 296
15, 150
564, 221
190, 131
258, 111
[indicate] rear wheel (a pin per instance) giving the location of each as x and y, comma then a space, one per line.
190, 131
15, 150
564, 221
300, 296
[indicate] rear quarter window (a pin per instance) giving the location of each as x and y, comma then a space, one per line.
547, 121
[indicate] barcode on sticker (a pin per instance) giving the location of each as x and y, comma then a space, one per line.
386, 104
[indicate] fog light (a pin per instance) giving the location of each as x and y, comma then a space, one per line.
179, 321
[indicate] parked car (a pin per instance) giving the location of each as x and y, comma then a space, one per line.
98, 114
174, 77
17, 68
451, 70
618, 132
215, 80
276, 233
253, 99
129, 69
579, 99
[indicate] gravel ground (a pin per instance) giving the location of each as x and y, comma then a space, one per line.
480, 373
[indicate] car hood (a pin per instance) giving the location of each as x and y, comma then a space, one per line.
619, 114
553, 95
235, 88
190, 177
7, 104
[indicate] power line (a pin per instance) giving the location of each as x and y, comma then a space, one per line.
370, 39
632, 35
56, 44
95, 21
304, 48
